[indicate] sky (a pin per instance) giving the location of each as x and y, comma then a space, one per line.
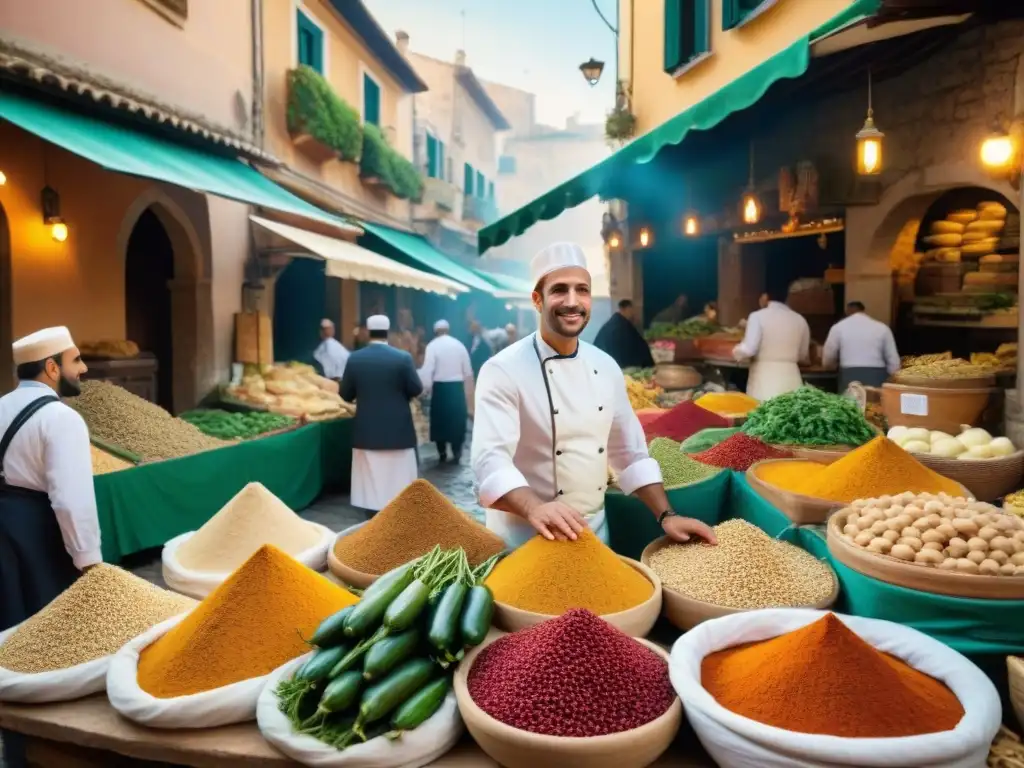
535, 45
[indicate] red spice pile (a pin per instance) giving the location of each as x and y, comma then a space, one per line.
684, 420
572, 676
740, 452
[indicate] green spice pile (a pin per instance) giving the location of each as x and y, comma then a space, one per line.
677, 468
236, 426
708, 438
809, 416
91, 619
747, 569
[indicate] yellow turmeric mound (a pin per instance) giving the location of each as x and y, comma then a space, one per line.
249, 626
878, 468
727, 403
552, 577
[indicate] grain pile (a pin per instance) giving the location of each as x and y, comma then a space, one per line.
91, 619
252, 518
748, 569
104, 463
116, 416
678, 469
412, 524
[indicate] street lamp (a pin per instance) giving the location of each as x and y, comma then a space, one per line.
869, 142
997, 151
592, 70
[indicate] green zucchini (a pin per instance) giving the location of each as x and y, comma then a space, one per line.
382, 698
341, 693
419, 707
477, 611
320, 665
385, 580
444, 623
368, 612
331, 630
386, 654
407, 606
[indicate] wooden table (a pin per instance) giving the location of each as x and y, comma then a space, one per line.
88, 733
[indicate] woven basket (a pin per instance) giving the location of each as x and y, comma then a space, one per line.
986, 479
1015, 668
800, 509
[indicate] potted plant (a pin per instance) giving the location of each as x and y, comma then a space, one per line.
375, 163
322, 124
620, 124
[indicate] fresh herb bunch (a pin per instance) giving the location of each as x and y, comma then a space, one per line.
809, 416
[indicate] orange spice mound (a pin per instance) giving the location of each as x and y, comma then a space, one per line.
824, 679
249, 626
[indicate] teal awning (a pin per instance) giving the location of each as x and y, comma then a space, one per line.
741, 93
424, 254
508, 286
127, 151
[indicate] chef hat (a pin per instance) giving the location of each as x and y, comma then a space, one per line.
41, 345
378, 323
441, 325
556, 256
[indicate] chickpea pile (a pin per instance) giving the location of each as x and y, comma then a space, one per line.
938, 531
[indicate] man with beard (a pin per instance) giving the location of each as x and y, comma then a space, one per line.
552, 416
49, 528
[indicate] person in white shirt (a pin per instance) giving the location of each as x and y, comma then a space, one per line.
777, 341
500, 338
331, 353
863, 348
552, 415
49, 527
447, 377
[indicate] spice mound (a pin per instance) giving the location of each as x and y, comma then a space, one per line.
684, 420
727, 403
552, 577
104, 609
809, 416
254, 517
880, 468
678, 469
740, 452
747, 569
707, 438
249, 626
824, 679
412, 524
944, 532
574, 676
104, 463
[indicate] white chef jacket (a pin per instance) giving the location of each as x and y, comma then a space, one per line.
51, 454
445, 359
775, 334
332, 356
513, 445
860, 341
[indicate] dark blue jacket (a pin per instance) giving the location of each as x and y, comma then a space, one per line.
381, 380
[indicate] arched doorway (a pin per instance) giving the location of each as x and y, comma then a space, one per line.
6, 310
149, 269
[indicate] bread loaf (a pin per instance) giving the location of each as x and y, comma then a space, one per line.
965, 216
947, 228
989, 226
944, 241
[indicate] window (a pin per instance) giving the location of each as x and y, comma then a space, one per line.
506, 164
467, 179
687, 32
736, 13
310, 42
371, 100
481, 185
490, 190
433, 164
450, 175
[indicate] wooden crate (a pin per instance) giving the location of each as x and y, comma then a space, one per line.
254, 338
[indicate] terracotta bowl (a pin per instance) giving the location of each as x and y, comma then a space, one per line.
685, 612
636, 621
514, 748
350, 576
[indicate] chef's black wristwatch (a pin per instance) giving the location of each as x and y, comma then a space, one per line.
667, 513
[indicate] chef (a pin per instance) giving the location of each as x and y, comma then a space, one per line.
330, 353
448, 376
862, 347
49, 529
552, 416
777, 340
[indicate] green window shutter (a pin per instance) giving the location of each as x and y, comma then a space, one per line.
490, 190
467, 179
735, 12
432, 165
310, 42
481, 185
673, 28
371, 100
687, 31
441, 160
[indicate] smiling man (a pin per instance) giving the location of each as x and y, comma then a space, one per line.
552, 416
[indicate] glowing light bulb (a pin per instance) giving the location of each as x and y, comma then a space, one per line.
614, 241
3, 178
59, 231
691, 227
870, 156
997, 151
751, 210
645, 238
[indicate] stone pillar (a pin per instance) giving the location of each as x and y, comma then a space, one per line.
741, 279
194, 369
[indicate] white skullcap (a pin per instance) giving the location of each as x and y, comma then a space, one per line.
326, 323
441, 325
41, 345
378, 323
556, 256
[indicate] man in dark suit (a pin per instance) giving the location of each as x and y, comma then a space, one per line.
381, 381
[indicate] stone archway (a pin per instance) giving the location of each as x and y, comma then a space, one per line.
6, 307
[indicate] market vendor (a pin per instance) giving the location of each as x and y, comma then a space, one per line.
777, 341
863, 348
330, 353
675, 312
552, 416
479, 349
447, 376
381, 381
620, 338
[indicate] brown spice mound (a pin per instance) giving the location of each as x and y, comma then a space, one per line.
411, 525
824, 679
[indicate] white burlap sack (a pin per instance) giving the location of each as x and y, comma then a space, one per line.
229, 704
413, 749
739, 742
199, 584
59, 685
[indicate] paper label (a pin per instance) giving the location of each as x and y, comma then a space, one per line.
914, 405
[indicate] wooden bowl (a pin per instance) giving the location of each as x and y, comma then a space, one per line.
1015, 668
800, 509
636, 621
946, 408
966, 382
674, 376
686, 612
824, 454
350, 576
513, 748
922, 578
986, 479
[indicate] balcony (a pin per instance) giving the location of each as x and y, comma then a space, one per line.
479, 211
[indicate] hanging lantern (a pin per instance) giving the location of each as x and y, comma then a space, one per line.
645, 237
751, 207
997, 152
614, 241
3, 178
50, 200
592, 70
691, 227
869, 142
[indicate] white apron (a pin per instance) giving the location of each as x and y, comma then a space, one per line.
582, 423
379, 476
769, 379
